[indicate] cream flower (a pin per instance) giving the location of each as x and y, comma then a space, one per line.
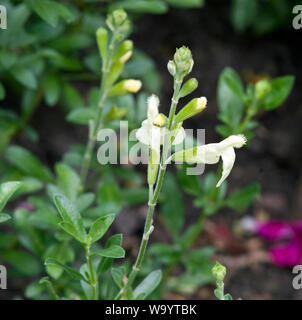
153, 135
211, 153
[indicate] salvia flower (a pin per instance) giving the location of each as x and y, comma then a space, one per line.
211, 153
153, 129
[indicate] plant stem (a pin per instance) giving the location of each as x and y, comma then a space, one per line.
97, 122
153, 199
93, 282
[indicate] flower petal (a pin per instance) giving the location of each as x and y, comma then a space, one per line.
143, 135
275, 230
228, 157
180, 136
153, 103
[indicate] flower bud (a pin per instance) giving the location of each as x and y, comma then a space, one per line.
102, 40
125, 86
171, 68
262, 87
188, 87
219, 271
124, 52
160, 120
191, 109
118, 22
183, 60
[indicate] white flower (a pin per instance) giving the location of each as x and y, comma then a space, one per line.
211, 153
153, 135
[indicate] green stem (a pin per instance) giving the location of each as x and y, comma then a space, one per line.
92, 282
97, 122
153, 199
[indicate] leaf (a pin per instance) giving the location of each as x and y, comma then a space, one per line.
70, 229
2, 91
111, 252
81, 115
189, 183
100, 227
52, 90
243, 198
7, 189
72, 272
70, 214
68, 181
72, 98
230, 106
172, 205
105, 263
109, 195
50, 11
280, 89
149, 284
186, 3
22, 262
25, 76
145, 6
28, 163
117, 275
243, 13
84, 201
4, 217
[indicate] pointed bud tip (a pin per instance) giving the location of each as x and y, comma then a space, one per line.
202, 103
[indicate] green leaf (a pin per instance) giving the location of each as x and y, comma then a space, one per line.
100, 227
109, 195
50, 11
61, 252
4, 217
22, 262
52, 90
28, 163
2, 91
243, 198
68, 181
72, 98
149, 284
280, 89
70, 229
112, 252
81, 115
243, 13
189, 183
230, 106
106, 263
144, 6
172, 205
72, 272
7, 189
70, 215
25, 76
117, 275
186, 3
84, 201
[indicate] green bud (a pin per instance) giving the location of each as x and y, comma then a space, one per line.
102, 40
114, 73
124, 51
219, 271
160, 120
191, 109
115, 113
262, 87
124, 87
183, 60
188, 87
153, 167
119, 23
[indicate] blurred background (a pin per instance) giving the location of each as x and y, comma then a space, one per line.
255, 38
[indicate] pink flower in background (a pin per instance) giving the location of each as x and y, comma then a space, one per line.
289, 252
